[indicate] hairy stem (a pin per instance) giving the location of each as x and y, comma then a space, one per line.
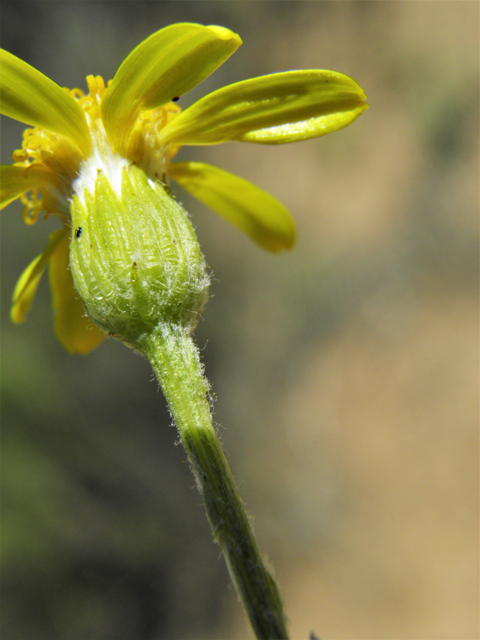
175, 360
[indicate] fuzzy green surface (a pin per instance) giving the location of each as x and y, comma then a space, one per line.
135, 258
176, 362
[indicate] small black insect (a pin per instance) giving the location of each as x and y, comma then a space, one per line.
176, 99
78, 232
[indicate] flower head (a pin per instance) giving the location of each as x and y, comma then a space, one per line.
135, 121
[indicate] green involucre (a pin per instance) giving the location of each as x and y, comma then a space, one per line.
135, 259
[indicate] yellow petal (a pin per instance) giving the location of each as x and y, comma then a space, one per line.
74, 328
273, 109
29, 96
28, 282
254, 211
166, 65
16, 180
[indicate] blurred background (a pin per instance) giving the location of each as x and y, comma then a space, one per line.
345, 372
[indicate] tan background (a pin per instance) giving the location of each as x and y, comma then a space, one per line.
346, 372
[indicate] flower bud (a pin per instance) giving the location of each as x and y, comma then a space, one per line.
134, 256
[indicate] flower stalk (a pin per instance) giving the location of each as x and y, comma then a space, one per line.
175, 360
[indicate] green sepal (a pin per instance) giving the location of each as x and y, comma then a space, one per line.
137, 261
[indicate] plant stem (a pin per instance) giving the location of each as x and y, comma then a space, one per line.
175, 360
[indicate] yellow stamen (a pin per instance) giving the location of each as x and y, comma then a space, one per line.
144, 148
64, 164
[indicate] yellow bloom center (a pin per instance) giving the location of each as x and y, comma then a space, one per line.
68, 172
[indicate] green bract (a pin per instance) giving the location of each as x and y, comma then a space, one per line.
135, 258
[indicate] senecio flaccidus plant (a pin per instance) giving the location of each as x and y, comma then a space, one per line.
126, 262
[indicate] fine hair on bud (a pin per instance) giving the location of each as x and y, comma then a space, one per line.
136, 263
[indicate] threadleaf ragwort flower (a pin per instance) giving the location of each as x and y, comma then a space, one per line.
125, 135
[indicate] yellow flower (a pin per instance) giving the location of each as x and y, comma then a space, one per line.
135, 120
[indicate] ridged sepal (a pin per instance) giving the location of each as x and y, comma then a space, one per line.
135, 258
